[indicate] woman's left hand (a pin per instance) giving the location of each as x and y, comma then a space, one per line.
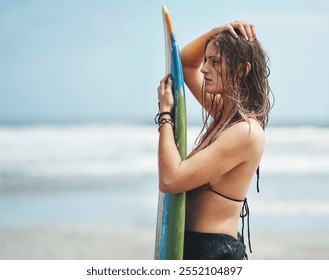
165, 95
247, 30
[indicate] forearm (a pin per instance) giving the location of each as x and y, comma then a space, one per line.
192, 57
168, 158
192, 54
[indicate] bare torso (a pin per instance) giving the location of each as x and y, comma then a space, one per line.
209, 212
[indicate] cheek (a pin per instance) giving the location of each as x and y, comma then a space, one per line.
219, 81
222, 84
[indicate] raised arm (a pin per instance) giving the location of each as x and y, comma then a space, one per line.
192, 56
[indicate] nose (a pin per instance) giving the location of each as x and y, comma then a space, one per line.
204, 69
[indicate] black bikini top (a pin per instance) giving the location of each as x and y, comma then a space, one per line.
244, 211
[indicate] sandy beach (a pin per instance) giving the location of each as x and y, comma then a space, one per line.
76, 243
124, 242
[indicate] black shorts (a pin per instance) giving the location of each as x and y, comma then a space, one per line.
212, 246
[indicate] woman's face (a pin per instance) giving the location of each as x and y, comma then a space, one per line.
214, 71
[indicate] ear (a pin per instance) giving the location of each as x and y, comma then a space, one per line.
248, 68
241, 68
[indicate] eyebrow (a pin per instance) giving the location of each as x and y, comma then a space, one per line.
212, 56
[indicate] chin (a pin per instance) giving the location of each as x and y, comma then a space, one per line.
210, 89
213, 91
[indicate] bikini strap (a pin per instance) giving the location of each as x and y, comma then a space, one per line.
208, 187
257, 174
245, 213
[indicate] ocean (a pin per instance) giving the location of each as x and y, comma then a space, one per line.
106, 175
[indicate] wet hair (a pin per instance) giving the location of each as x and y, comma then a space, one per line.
249, 92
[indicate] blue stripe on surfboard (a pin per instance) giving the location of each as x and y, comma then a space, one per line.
176, 66
164, 225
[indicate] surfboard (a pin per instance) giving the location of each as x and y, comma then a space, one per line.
169, 244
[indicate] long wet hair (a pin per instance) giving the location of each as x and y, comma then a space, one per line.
249, 92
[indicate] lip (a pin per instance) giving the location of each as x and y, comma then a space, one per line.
206, 80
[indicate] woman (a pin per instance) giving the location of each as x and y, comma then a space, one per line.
226, 71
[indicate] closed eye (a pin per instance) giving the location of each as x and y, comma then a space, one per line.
215, 61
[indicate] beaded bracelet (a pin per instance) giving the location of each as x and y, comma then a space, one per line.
163, 121
159, 115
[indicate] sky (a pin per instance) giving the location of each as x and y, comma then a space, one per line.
101, 60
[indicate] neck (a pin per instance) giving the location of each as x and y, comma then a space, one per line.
226, 109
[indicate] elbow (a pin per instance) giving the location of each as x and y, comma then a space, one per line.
167, 187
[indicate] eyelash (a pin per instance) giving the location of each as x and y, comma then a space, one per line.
215, 61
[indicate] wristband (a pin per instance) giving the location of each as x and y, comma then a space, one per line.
159, 115
164, 121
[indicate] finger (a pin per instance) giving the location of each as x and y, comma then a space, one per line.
253, 30
161, 87
163, 83
230, 28
169, 82
247, 28
165, 78
239, 25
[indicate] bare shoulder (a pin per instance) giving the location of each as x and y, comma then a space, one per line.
251, 130
246, 134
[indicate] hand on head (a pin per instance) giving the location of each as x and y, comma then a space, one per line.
247, 30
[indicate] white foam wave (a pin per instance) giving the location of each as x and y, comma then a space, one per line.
103, 150
307, 208
100, 150
296, 164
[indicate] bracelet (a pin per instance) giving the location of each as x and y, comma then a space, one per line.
159, 115
164, 121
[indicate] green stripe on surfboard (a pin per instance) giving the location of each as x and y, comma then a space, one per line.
176, 225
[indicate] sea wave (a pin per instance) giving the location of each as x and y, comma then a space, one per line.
107, 149
297, 207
